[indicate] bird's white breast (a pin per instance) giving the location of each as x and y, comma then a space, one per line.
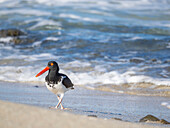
58, 88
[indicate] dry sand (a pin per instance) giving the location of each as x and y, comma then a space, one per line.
14, 115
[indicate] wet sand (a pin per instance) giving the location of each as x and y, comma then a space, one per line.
142, 89
104, 105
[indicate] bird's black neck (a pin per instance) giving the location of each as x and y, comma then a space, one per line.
53, 77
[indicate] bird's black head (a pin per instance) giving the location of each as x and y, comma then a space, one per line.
53, 65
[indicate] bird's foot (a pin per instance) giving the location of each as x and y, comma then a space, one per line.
52, 108
62, 108
65, 109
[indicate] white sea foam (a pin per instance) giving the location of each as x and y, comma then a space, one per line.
128, 4
45, 22
22, 74
7, 50
99, 75
113, 77
9, 3
79, 17
165, 73
166, 104
91, 77
135, 38
38, 43
42, 56
123, 4
142, 4
55, 2
166, 25
77, 63
6, 39
25, 12
52, 38
1, 1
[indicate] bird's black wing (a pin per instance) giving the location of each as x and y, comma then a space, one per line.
67, 82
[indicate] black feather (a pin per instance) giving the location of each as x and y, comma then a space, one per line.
54, 77
67, 83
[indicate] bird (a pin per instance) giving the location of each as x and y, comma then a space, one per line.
56, 82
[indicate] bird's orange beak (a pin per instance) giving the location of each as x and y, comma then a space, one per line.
44, 70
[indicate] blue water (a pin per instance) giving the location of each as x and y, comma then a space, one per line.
99, 42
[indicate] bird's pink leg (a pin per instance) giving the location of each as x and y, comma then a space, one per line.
60, 100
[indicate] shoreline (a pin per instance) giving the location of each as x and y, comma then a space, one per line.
19, 115
101, 104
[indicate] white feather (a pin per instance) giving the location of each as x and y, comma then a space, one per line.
57, 89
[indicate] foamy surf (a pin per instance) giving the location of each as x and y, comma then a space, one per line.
166, 104
82, 74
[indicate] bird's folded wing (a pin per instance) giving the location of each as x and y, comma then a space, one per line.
67, 83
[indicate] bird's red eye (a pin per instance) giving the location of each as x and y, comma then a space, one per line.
52, 64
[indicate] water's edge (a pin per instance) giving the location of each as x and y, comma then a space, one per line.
88, 102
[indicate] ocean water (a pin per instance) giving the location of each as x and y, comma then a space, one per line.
96, 43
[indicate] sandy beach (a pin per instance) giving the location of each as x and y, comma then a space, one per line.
106, 106
115, 52
19, 116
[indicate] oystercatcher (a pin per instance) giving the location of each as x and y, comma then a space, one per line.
56, 82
